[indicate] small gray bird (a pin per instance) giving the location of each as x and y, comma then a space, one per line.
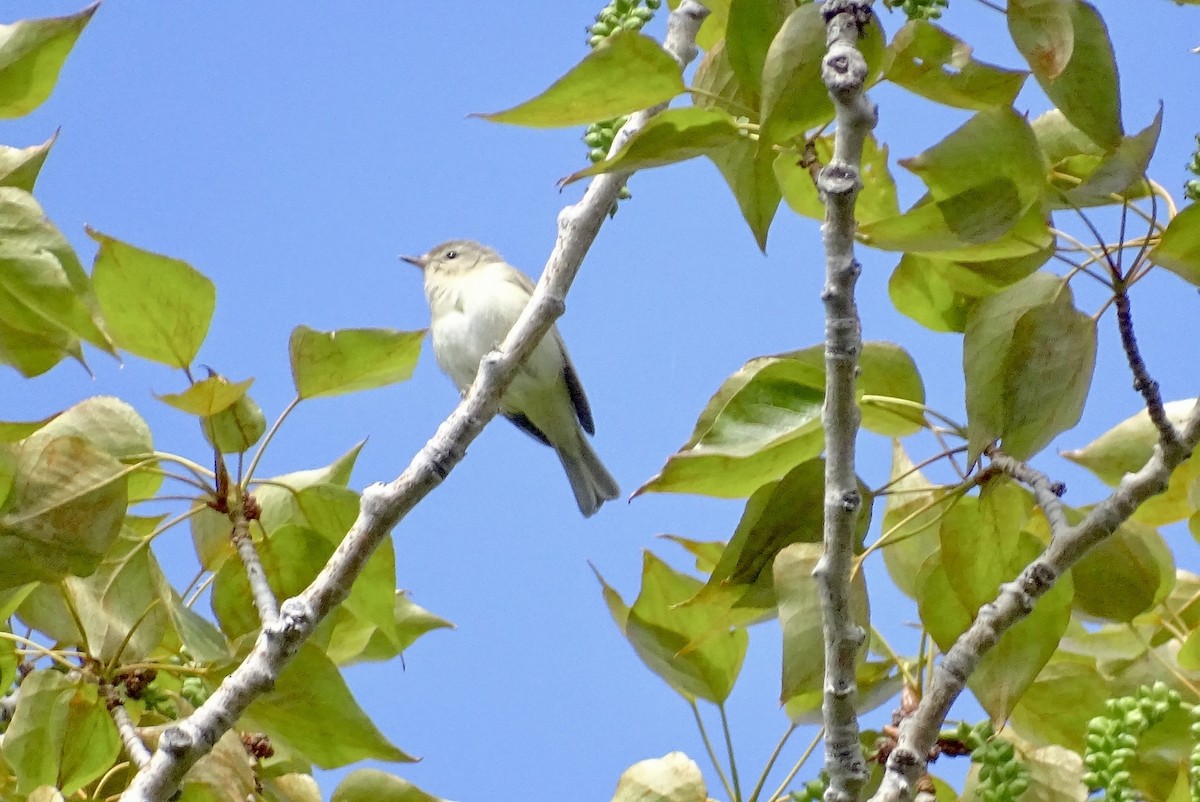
475, 297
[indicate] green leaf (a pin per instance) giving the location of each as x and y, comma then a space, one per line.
411, 622
675, 640
19, 167
1011, 666
912, 512
1055, 775
1135, 559
208, 396
674, 777
675, 135
1065, 43
1028, 356
118, 430
60, 735
794, 98
718, 86
31, 54
1127, 447
373, 785
1120, 175
63, 512
1178, 249
984, 223
627, 72
12, 431
34, 739
155, 306
237, 427
766, 419
800, 618
326, 363
980, 538
310, 700
928, 61
747, 169
751, 27
1056, 708
876, 200
93, 744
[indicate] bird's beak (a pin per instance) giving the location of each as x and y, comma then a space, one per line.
419, 261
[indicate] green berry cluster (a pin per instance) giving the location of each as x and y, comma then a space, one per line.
194, 690
813, 790
1112, 739
599, 137
922, 9
621, 15
1191, 187
1003, 777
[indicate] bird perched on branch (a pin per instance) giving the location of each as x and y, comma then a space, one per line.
475, 297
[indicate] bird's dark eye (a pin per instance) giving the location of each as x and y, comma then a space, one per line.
451, 254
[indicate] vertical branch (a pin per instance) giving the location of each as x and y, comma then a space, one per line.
844, 71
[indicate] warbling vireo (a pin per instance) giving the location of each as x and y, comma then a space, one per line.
475, 297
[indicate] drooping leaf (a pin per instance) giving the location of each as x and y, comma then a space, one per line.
800, 618
794, 97
625, 73
766, 419
236, 428
1178, 250
31, 54
928, 61
675, 135
309, 701
1028, 356
747, 168
373, 785
326, 363
63, 512
751, 27
912, 513
1120, 174
155, 306
118, 430
667, 634
1066, 45
1135, 559
980, 538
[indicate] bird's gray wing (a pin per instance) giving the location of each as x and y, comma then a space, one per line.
524, 424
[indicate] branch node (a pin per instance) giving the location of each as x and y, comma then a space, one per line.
295, 618
175, 742
851, 501
838, 178
1038, 579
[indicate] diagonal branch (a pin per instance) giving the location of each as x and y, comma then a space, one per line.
384, 505
1016, 600
844, 71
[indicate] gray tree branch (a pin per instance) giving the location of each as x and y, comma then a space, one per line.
384, 505
1016, 600
844, 71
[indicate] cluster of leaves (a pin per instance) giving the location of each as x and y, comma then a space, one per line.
973, 254
104, 629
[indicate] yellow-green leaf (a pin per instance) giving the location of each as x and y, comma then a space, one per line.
31, 54
328, 363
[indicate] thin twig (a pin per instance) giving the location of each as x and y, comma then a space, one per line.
733, 772
134, 747
708, 747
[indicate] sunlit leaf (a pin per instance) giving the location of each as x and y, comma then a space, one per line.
912, 512
309, 701
326, 363
674, 777
1135, 559
208, 396
19, 167
32, 52
155, 306
980, 540
237, 427
1120, 174
876, 200
1179, 248
928, 61
1066, 44
766, 419
675, 135
747, 168
373, 785
751, 27
665, 633
63, 512
1056, 708
625, 73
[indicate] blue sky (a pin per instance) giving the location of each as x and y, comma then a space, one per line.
291, 153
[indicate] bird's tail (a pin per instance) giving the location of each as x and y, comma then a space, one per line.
590, 480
